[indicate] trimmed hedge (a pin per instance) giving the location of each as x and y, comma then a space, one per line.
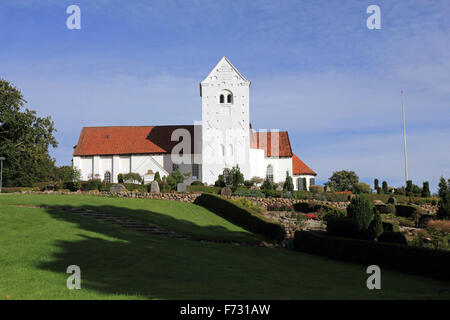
385, 208
249, 193
307, 207
207, 189
408, 259
241, 216
390, 227
408, 211
392, 237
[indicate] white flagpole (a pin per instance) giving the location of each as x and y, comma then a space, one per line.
404, 138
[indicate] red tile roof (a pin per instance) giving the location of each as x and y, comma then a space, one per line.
299, 167
264, 140
127, 140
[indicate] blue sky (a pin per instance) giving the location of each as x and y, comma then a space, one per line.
316, 71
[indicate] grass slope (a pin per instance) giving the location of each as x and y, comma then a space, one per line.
184, 218
38, 244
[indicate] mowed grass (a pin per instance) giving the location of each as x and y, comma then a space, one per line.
184, 218
38, 244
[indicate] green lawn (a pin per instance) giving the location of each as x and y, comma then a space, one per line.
37, 245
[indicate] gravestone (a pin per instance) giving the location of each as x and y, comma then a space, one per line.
117, 188
154, 187
226, 192
181, 187
392, 200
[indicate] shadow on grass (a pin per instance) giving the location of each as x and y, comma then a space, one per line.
121, 261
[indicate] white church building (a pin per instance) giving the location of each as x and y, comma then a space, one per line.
224, 138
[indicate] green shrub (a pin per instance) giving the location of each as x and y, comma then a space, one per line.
272, 193
408, 211
427, 262
288, 183
267, 185
376, 227
390, 227
361, 211
392, 237
305, 207
384, 187
385, 208
316, 189
206, 189
287, 195
93, 184
302, 195
249, 193
248, 183
332, 214
72, 185
426, 189
135, 187
241, 216
361, 187
197, 183
342, 227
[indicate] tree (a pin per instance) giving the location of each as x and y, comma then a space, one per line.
360, 210
444, 201
409, 188
175, 178
267, 185
376, 227
443, 188
24, 140
342, 180
220, 182
426, 190
376, 187
236, 178
361, 187
67, 174
257, 180
288, 183
384, 187
157, 177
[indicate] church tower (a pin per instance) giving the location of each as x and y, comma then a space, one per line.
225, 121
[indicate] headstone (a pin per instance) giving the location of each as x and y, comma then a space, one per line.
117, 188
154, 187
181, 187
392, 200
226, 192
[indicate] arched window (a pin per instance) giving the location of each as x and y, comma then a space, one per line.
222, 98
300, 184
107, 177
269, 173
229, 98
312, 182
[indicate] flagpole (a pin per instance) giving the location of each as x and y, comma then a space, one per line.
404, 138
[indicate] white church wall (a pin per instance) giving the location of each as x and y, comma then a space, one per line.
257, 168
106, 164
280, 167
86, 167
115, 168
124, 164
